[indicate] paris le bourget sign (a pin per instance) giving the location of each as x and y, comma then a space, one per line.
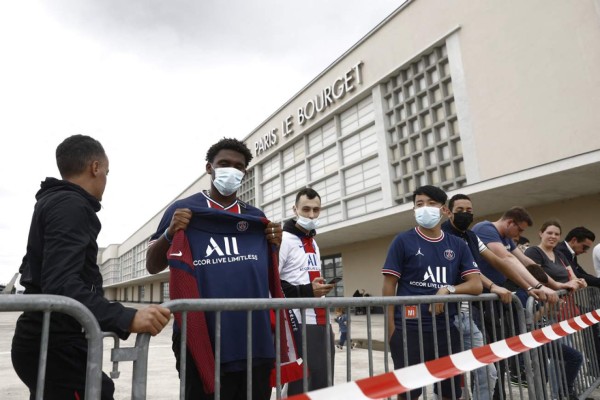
319, 103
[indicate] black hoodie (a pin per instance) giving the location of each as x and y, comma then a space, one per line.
61, 259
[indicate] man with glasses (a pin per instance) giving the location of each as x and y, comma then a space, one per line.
498, 237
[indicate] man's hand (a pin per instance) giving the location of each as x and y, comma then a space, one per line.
320, 288
571, 285
581, 282
544, 294
274, 233
438, 308
504, 294
180, 221
151, 319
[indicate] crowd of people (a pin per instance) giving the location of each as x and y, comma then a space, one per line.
213, 237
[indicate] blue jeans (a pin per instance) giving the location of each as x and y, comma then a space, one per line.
474, 338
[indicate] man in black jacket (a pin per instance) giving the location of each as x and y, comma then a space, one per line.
578, 241
61, 260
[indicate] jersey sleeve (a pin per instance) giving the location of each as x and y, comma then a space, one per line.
394, 260
467, 262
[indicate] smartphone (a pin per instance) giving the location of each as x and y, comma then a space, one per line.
334, 280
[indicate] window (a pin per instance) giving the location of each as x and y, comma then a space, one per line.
246, 191
422, 126
331, 267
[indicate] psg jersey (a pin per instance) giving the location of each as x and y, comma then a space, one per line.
424, 265
225, 255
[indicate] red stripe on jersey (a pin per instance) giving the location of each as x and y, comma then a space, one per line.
319, 312
433, 240
234, 208
307, 242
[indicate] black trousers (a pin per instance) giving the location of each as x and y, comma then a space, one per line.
233, 383
316, 339
65, 372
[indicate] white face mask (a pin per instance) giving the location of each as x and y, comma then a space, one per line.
227, 180
428, 217
307, 223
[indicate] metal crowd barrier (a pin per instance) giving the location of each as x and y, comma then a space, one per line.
504, 321
570, 361
49, 304
537, 374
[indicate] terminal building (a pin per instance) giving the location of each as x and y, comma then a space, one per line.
494, 100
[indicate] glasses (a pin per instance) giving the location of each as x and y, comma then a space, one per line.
521, 230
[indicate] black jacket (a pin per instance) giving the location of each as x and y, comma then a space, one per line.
61, 259
590, 279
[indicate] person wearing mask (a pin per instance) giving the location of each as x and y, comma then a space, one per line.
408, 270
460, 218
61, 260
301, 276
203, 225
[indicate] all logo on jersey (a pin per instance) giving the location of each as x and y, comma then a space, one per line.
228, 244
435, 274
223, 250
434, 277
449, 254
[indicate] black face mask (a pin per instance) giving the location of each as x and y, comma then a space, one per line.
462, 220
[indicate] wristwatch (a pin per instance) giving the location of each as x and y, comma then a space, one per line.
451, 289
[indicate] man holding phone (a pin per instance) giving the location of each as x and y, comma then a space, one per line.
300, 274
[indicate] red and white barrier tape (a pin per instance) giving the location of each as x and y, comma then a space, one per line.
416, 376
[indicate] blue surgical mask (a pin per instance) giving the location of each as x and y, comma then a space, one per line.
307, 223
428, 217
227, 180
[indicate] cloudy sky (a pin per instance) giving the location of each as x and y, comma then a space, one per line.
157, 82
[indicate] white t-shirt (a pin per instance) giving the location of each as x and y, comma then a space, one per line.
300, 264
596, 258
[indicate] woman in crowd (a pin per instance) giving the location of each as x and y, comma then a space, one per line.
556, 267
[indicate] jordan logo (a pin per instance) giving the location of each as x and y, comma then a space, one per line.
419, 253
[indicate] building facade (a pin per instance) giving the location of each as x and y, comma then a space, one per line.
496, 101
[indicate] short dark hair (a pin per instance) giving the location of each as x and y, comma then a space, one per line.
518, 214
229, 144
433, 192
75, 153
309, 193
522, 240
538, 273
580, 233
458, 196
550, 222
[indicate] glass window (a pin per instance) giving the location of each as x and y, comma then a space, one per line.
294, 179
270, 168
362, 176
293, 154
427, 144
359, 145
271, 189
331, 267
324, 163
